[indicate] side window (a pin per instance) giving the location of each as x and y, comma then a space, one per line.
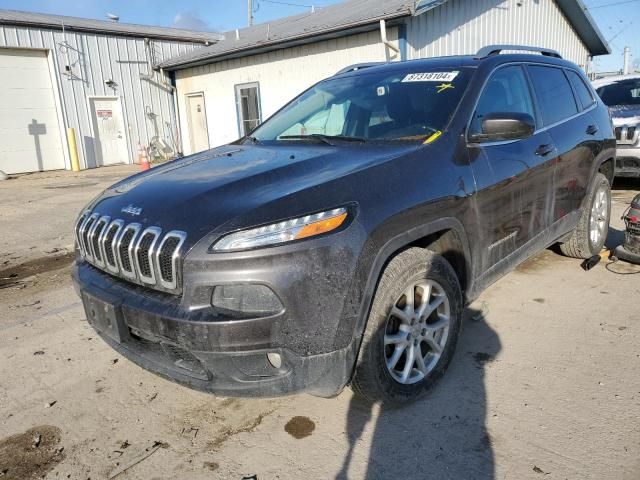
248, 104
553, 92
584, 93
506, 91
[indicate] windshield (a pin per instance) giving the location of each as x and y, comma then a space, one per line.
408, 106
624, 92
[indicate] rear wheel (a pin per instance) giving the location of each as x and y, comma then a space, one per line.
412, 329
590, 234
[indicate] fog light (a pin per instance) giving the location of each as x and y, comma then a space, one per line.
274, 359
246, 300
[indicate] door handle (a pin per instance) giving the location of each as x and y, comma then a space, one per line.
592, 130
544, 150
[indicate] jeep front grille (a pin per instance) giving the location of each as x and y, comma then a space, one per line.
146, 257
627, 135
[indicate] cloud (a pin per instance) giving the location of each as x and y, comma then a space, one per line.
190, 21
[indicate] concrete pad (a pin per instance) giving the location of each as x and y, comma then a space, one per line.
544, 384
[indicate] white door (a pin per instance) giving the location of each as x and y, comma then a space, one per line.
198, 133
108, 126
30, 136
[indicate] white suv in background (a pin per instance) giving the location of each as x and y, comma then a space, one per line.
621, 94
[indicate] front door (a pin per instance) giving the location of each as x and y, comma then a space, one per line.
514, 179
198, 133
108, 125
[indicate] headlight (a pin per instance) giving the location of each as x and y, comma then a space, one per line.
287, 231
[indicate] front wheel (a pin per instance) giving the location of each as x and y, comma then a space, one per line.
412, 329
590, 234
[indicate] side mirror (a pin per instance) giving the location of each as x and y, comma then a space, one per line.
499, 126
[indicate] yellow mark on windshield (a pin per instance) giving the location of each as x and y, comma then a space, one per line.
432, 138
444, 86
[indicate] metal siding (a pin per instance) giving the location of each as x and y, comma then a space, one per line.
97, 58
461, 27
281, 75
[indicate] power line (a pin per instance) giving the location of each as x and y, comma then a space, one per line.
612, 4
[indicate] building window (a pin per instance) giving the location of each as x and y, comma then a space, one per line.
248, 105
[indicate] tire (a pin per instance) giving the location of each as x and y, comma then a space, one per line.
583, 243
419, 271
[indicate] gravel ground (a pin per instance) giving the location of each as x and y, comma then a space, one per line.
545, 382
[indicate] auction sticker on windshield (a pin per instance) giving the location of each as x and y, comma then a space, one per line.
431, 77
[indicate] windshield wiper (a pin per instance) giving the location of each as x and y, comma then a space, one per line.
328, 139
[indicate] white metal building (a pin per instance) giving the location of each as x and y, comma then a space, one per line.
226, 89
95, 76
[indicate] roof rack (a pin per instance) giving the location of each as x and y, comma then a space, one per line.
359, 66
491, 50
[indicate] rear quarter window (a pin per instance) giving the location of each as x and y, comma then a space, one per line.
583, 92
553, 93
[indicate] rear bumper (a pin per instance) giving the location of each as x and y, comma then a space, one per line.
628, 161
184, 340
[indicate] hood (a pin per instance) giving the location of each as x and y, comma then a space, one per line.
199, 193
625, 115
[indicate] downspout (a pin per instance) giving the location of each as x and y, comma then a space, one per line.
174, 93
169, 86
386, 42
402, 40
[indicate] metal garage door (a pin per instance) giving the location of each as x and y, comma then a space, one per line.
30, 137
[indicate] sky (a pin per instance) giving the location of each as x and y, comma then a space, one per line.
618, 20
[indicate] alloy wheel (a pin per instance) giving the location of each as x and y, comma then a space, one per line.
599, 216
416, 331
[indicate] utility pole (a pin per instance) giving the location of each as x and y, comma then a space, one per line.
626, 57
250, 12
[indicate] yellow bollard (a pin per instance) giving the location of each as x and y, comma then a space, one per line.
73, 149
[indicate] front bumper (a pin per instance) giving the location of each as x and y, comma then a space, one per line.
627, 161
184, 340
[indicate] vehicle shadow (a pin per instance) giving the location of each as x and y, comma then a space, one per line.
443, 436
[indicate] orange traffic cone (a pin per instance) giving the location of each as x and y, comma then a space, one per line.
143, 159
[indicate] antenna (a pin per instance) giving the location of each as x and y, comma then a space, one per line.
112, 17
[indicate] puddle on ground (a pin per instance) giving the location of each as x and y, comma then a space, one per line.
482, 358
13, 275
300, 427
31, 454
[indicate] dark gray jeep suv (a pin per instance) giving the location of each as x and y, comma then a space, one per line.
340, 242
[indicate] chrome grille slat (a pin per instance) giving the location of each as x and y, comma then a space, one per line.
108, 243
140, 255
85, 229
94, 237
81, 219
143, 254
124, 250
167, 258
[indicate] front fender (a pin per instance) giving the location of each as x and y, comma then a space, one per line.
384, 254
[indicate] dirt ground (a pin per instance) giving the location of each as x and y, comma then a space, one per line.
544, 385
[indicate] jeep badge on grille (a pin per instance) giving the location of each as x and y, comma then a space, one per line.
132, 210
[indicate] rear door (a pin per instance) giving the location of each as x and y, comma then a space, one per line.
565, 114
197, 115
110, 139
514, 178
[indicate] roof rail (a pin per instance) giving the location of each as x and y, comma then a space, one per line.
491, 50
359, 66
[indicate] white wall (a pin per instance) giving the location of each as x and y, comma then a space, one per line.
282, 75
457, 27
461, 27
94, 59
